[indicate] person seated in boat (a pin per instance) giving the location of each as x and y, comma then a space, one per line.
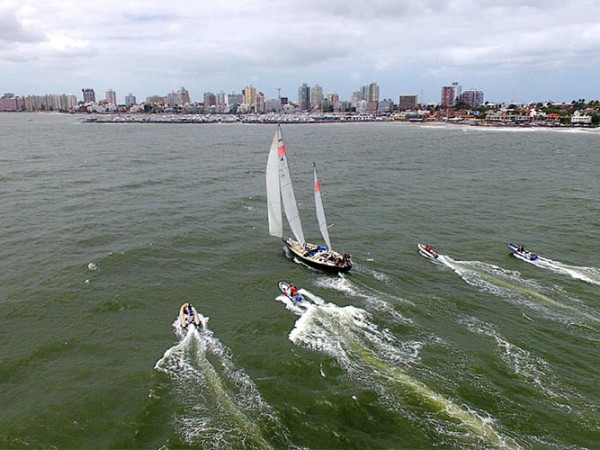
293, 291
189, 310
429, 248
521, 248
308, 250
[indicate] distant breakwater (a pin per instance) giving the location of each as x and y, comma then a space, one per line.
229, 118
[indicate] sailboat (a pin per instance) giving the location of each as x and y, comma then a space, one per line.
280, 192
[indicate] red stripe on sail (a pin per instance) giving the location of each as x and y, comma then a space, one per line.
317, 186
281, 150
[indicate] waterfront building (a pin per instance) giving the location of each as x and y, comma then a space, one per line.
209, 100
304, 97
220, 99
472, 97
407, 102
259, 103
130, 100
316, 97
89, 96
385, 106
173, 99
249, 94
370, 94
111, 97
11, 102
581, 118
233, 100
450, 94
184, 96
156, 100
333, 98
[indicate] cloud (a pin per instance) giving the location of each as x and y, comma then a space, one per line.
13, 31
340, 44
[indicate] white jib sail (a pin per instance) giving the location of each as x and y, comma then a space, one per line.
320, 210
287, 193
273, 192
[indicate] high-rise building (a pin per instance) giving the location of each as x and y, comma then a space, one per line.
333, 98
407, 102
450, 94
249, 93
234, 99
259, 105
472, 97
316, 97
209, 100
304, 97
370, 94
184, 96
89, 96
111, 97
130, 100
220, 98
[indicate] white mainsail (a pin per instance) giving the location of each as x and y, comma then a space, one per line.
273, 192
320, 210
285, 193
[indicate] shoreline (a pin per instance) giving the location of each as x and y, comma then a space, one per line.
290, 119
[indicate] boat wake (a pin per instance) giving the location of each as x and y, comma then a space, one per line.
219, 405
588, 274
376, 359
374, 299
509, 284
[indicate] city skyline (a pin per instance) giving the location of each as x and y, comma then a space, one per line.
518, 51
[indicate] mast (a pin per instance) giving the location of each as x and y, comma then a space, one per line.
320, 209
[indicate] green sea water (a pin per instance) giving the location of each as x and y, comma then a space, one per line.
106, 229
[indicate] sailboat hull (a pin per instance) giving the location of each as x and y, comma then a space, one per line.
319, 258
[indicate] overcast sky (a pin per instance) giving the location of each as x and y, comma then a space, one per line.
512, 50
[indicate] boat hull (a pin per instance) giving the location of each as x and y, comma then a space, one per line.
528, 256
326, 260
427, 253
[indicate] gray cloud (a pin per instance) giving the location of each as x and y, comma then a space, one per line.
13, 31
409, 45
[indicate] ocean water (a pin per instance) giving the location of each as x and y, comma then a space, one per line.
106, 229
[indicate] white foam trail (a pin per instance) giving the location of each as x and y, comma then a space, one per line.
588, 274
509, 284
372, 296
312, 297
221, 407
374, 357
